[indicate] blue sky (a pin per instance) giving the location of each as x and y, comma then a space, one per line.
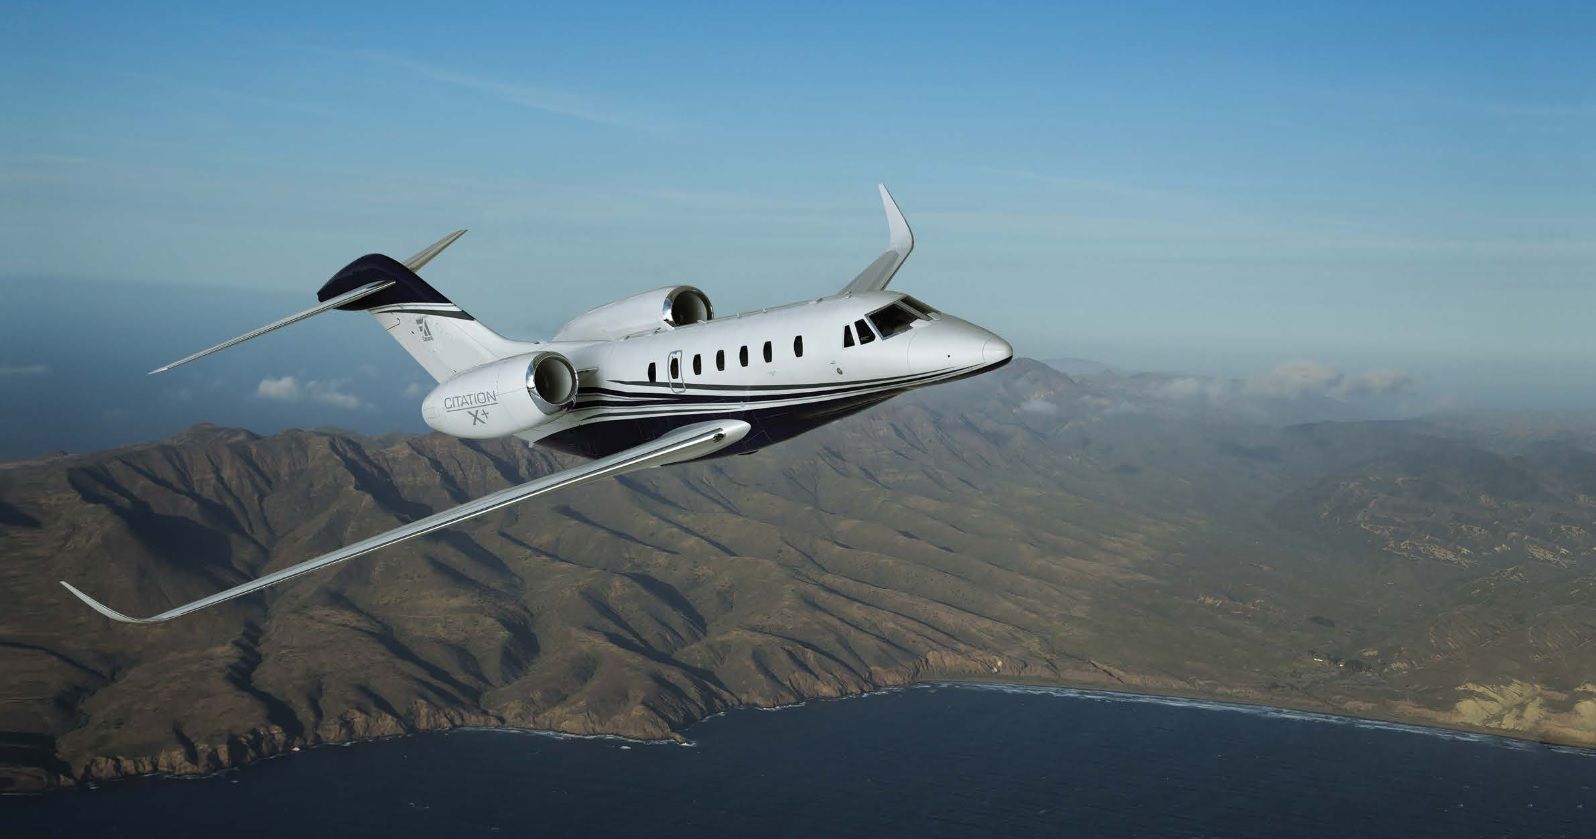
1215, 189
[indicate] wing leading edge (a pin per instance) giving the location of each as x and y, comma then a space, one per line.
877, 274
682, 444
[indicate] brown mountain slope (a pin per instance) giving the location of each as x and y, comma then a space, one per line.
1020, 525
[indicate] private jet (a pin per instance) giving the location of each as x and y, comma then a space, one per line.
649, 380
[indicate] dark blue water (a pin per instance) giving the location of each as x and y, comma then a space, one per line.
928, 761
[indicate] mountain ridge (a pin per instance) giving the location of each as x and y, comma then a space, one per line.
963, 532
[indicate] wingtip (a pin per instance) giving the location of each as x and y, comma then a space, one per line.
100, 607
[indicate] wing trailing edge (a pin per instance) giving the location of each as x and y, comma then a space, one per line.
682, 444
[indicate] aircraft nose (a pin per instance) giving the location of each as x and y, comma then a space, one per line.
996, 349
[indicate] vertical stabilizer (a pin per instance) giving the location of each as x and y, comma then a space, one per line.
439, 335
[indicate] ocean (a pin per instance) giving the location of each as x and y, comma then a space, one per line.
937, 760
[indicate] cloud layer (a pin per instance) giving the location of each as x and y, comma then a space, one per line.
291, 389
1298, 379
1292, 381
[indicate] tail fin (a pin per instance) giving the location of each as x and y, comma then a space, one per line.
444, 339
439, 335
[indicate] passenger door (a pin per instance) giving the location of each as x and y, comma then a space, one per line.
673, 368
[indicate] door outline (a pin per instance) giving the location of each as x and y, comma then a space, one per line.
675, 372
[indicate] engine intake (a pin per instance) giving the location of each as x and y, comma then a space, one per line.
499, 399
668, 307
552, 380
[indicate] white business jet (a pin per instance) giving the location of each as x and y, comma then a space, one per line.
645, 381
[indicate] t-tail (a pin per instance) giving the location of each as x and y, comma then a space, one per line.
439, 335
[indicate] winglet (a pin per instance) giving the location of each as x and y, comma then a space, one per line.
102, 608
897, 225
877, 274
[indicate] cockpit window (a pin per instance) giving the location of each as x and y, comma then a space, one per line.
895, 319
918, 306
865, 335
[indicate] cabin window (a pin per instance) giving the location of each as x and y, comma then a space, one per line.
676, 368
720, 359
894, 320
865, 335
768, 354
798, 347
698, 364
651, 371
847, 336
742, 356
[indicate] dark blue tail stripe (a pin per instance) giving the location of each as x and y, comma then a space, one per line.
408, 287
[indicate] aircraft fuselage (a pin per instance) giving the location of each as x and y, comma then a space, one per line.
784, 370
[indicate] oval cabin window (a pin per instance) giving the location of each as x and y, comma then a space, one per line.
798, 347
742, 356
720, 359
768, 354
651, 371
698, 364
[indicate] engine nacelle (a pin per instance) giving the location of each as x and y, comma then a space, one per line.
502, 398
668, 307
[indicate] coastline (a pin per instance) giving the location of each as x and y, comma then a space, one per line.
1392, 722
430, 724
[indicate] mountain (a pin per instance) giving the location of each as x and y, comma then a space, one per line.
1023, 525
1079, 367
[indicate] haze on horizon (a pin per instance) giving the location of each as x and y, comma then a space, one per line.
1346, 195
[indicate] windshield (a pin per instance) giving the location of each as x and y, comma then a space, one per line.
917, 305
895, 319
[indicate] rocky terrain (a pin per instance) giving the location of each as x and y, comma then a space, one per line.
1024, 525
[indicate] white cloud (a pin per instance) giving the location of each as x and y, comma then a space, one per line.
416, 390
24, 369
284, 389
1293, 380
1296, 379
329, 394
1192, 387
290, 389
1378, 383
1038, 406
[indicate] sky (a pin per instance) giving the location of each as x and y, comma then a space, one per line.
1398, 190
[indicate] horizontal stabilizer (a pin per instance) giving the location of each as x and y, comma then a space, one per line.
350, 293
342, 299
686, 443
877, 274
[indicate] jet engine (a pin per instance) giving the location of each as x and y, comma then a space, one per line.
504, 397
668, 307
